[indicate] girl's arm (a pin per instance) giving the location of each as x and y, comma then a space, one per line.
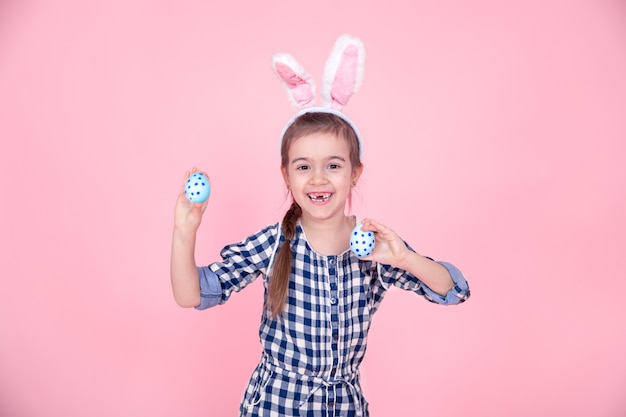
392, 250
183, 270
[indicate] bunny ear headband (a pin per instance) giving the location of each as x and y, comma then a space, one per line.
343, 74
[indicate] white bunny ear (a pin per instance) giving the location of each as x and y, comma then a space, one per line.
300, 87
343, 72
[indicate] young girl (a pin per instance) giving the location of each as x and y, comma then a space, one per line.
319, 296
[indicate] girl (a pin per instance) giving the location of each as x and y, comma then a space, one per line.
319, 296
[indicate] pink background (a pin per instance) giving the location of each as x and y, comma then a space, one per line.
494, 138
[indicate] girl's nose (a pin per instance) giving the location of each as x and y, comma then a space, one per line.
318, 177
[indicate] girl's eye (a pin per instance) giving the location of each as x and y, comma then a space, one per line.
302, 168
334, 166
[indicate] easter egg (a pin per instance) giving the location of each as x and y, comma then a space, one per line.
197, 188
361, 242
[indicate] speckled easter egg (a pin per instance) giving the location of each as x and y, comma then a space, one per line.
197, 188
361, 242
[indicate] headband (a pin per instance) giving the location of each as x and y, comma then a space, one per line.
343, 75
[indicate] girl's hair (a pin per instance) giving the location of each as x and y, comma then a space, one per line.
306, 124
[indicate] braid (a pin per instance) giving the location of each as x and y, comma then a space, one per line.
289, 221
279, 282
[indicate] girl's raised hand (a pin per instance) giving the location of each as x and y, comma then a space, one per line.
389, 248
188, 215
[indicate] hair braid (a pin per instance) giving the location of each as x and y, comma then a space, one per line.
279, 281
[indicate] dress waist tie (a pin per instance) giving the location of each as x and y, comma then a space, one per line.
320, 382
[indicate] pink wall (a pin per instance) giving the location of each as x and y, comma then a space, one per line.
495, 138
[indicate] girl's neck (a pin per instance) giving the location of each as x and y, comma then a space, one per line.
331, 236
331, 225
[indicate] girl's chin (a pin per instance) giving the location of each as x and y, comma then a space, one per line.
322, 212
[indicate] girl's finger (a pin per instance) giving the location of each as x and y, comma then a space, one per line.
185, 178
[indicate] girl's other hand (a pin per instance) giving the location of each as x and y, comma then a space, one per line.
389, 248
188, 215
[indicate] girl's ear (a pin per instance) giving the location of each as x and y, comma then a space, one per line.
299, 84
283, 171
343, 72
356, 174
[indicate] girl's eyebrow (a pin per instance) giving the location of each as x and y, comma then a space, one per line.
341, 158
330, 158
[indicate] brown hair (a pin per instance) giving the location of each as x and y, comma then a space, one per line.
306, 124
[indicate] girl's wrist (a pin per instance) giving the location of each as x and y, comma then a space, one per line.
409, 261
184, 233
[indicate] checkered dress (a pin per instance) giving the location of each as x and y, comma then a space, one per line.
311, 355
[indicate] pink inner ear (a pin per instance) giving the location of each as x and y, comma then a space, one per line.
345, 78
299, 88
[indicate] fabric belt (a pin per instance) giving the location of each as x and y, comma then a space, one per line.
319, 382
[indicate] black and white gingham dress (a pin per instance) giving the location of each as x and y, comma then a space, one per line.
311, 355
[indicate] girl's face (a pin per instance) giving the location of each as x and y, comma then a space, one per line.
320, 175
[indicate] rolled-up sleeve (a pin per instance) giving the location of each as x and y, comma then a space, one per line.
210, 288
459, 292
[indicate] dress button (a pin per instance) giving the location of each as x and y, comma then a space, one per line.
331, 261
335, 336
333, 371
333, 300
331, 404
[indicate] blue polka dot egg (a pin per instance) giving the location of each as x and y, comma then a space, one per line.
361, 242
197, 188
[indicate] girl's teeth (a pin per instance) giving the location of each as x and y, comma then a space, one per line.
319, 197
